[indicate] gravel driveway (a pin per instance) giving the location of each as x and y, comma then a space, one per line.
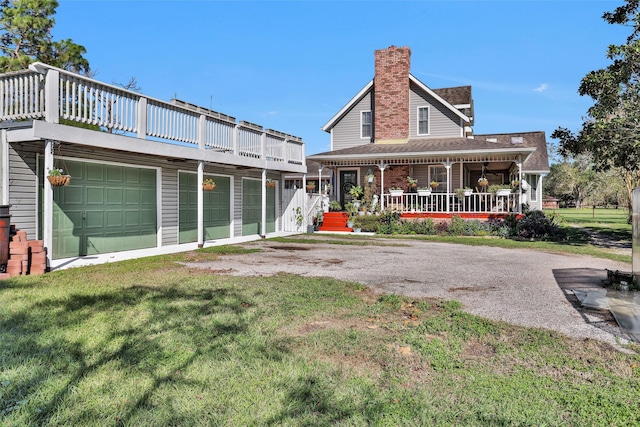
519, 286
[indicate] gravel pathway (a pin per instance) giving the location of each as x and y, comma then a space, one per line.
519, 286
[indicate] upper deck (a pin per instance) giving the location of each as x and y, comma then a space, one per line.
45, 102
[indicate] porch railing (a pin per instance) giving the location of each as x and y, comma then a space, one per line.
452, 203
52, 94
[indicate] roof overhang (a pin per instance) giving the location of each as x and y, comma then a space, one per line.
520, 154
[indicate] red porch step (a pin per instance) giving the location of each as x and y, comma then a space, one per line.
335, 221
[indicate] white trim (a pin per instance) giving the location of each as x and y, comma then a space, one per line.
418, 108
362, 112
439, 98
353, 101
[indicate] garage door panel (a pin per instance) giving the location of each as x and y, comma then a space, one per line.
70, 195
216, 226
114, 196
114, 174
94, 173
102, 207
95, 195
114, 219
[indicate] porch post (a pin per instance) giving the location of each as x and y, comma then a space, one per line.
382, 167
320, 180
263, 228
200, 204
519, 165
447, 165
304, 199
47, 214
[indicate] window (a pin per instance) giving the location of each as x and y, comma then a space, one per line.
423, 120
439, 175
365, 124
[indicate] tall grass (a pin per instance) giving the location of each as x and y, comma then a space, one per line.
150, 342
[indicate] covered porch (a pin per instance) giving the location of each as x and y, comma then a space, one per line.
471, 178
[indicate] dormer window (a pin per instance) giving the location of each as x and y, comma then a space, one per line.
365, 124
423, 120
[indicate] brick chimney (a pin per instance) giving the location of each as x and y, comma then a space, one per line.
391, 95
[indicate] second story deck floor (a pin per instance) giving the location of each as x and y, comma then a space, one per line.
45, 102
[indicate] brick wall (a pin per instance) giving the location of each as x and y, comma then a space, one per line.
391, 94
394, 176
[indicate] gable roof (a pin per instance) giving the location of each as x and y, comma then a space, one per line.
538, 161
454, 93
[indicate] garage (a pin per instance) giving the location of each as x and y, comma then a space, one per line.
252, 207
105, 208
217, 208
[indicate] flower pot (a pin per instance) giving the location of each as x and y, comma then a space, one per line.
423, 193
396, 193
208, 187
270, 185
350, 224
503, 192
311, 187
357, 230
59, 180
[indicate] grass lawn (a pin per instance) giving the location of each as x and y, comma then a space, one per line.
150, 342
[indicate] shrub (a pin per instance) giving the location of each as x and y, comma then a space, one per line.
368, 223
536, 225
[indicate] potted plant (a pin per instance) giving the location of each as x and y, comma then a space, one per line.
500, 189
424, 191
57, 177
434, 184
515, 183
413, 182
351, 211
208, 184
465, 191
370, 177
270, 183
356, 192
396, 191
483, 182
335, 206
311, 185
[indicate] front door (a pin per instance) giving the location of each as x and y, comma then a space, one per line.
348, 178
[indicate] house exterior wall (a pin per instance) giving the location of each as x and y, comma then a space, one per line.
24, 185
442, 121
346, 132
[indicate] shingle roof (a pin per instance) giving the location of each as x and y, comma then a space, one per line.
460, 95
533, 144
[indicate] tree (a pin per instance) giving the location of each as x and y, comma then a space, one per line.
25, 37
570, 180
611, 131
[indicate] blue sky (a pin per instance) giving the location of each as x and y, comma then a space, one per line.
291, 65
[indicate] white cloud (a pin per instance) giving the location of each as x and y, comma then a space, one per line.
541, 88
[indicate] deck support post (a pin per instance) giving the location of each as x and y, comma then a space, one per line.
200, 204
47, 195
263, 219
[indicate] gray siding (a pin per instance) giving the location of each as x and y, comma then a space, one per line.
23, 185
23, 188
442, 121
346, 133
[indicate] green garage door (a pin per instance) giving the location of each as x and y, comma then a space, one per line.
252, 207
217, 210
105, 208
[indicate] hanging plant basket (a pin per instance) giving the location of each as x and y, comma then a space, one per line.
208, 186
59, 180
270, 184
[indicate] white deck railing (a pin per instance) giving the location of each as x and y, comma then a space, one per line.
49, 93
452, 203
